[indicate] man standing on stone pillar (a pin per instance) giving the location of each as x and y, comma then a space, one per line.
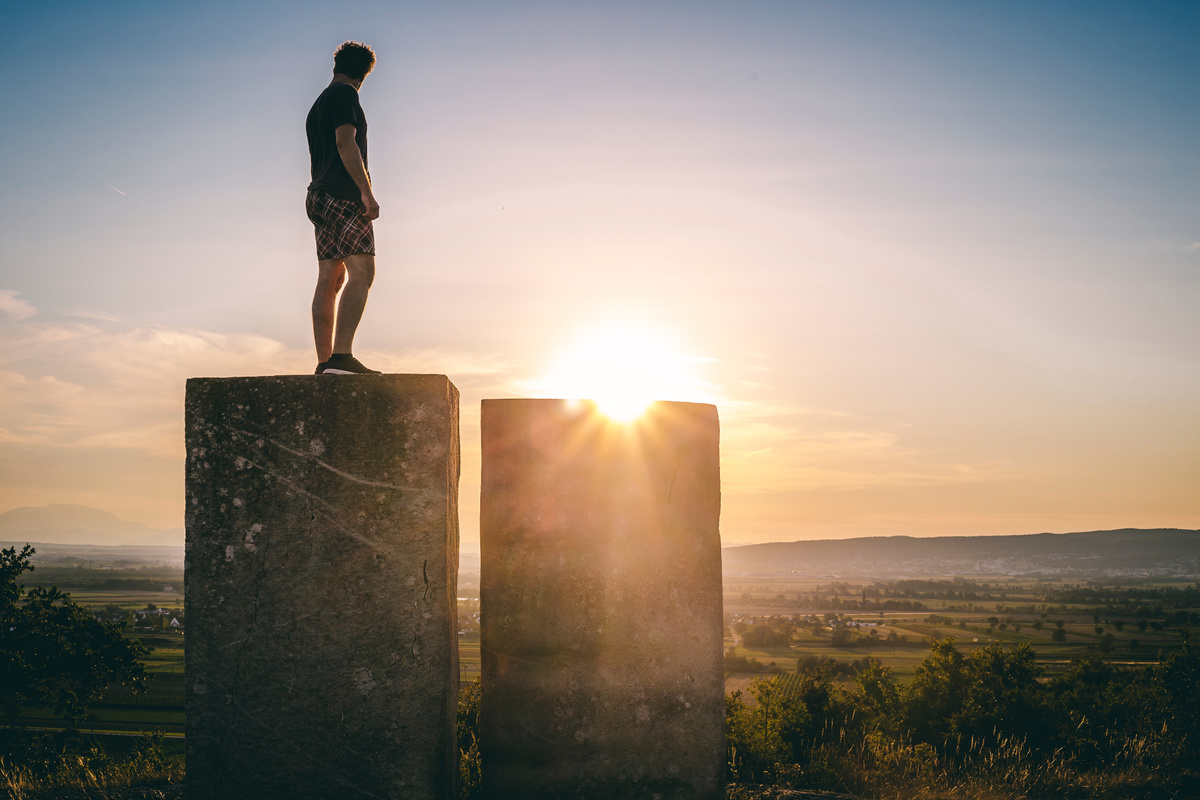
341, 206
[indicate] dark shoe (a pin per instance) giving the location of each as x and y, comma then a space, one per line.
320, 368
344, 364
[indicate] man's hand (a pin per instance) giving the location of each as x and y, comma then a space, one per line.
370, 206
352, 159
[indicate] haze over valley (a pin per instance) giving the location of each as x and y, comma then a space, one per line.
63, 532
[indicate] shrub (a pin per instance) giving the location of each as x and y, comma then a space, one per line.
977, 726
468, 741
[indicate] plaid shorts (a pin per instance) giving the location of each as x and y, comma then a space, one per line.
341, 228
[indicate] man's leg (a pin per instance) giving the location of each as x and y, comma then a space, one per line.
360, 274
330, 276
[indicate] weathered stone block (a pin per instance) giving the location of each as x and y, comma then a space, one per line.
601, 593
321, 572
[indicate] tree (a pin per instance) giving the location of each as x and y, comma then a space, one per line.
1001, 694
879, 689
1083, 699
757, 738
1177, 681
54, 652
1106, 643
736, 663
824, 713
936, 693
1059, 635
763, 635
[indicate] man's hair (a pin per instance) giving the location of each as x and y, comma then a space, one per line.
354, 60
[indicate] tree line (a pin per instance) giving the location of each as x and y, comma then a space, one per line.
982, 715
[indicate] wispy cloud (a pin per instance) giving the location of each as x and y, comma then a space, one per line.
116, 384
1175, 246
780, 448
104, 382
15, 307
91, 408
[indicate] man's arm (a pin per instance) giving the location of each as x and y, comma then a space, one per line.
352, 158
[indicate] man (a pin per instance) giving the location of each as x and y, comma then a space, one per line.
341, 206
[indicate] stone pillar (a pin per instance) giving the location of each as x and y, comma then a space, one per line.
601, 593
321, 571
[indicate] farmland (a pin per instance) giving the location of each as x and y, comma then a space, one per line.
773, 624
786, 624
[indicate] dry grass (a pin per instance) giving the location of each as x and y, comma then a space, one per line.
881, 768
93, 774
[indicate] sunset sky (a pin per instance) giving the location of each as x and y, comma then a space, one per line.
937, 263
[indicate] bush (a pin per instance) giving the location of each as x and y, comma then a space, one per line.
736, 663
468, 741
982, 725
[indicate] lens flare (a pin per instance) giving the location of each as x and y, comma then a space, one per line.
623, 368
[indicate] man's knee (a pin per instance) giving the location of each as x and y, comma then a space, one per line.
361, 268
331, 274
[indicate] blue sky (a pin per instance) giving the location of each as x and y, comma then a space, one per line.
937, 263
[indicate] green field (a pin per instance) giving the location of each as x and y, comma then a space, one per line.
1119, 625
1014, 603
468, 657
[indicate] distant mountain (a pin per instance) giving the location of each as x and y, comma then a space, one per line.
1128, 552
64, 523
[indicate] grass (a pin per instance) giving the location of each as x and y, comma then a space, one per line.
41, 766
162, 659
102, 715
469, 657
876, 768
126, 598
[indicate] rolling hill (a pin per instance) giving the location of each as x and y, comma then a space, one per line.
1126, 552
63, 523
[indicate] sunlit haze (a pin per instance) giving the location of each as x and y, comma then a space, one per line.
623, 367
937, 264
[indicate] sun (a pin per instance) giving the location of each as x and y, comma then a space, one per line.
624, 368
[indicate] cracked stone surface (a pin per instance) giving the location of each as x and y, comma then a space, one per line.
601, 592
321, 572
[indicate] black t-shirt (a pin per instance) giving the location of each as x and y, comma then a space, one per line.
337, 106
